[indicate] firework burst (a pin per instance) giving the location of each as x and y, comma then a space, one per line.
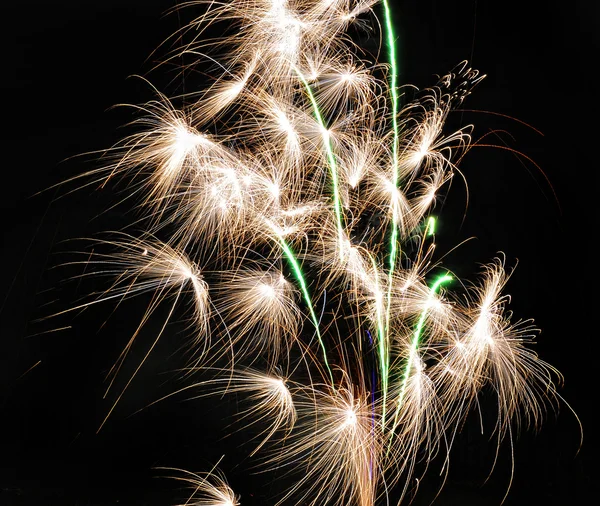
290, 203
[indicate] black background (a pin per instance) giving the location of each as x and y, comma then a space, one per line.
65, 64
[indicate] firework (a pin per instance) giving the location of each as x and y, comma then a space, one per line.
289, 203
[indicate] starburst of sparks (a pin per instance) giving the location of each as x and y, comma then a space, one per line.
290, 203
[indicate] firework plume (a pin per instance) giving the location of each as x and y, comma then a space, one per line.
289, 206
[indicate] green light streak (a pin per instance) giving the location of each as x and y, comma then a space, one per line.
416, 341
395, 179
391, 41
430, 227
330, 158
304, 289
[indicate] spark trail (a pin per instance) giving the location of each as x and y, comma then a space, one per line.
391, 42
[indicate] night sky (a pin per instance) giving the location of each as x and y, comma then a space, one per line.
65, 64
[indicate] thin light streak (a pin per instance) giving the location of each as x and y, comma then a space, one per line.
416, 341
304, 289
331, 159
391, 43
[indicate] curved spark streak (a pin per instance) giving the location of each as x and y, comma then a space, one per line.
302, 282
331, 159
416, 340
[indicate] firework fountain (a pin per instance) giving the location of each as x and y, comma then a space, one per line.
289, 207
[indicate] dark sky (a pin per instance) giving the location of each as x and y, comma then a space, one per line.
65, 64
